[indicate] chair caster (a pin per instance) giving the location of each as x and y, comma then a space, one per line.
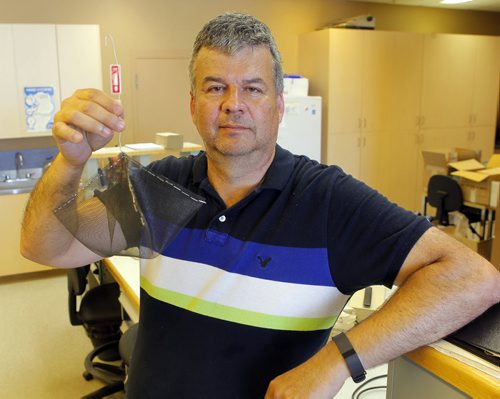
87, 376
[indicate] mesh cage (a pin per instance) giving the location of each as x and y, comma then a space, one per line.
128, 210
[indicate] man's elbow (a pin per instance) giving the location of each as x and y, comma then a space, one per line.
492, 284
487, 279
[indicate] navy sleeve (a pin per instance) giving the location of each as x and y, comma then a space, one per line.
369, 237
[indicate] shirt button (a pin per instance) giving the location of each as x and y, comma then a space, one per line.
222, 218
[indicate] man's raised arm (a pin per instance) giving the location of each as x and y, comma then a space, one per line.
85, 123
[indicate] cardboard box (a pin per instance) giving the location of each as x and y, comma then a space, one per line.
480, 185
437, 161
482, 247
170, 140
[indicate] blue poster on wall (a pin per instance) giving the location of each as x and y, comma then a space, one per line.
39, 108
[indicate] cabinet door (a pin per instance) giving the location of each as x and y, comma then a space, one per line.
346, 70
375, 159
377, 80
9, 111
345, 152
448, 72
402, 173
79, 56
10, 232
35, 54
407, 81
486, 75
481, 138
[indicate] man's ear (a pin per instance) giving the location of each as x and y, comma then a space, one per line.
192, 106
281, 106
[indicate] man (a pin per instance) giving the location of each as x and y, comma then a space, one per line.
242, 303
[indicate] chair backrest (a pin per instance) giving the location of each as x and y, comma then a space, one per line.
77, 283
445, 194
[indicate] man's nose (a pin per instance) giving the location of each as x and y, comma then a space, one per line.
232, 101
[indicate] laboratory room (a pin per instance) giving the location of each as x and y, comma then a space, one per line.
134, 134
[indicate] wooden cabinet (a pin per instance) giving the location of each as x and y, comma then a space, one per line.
483, 109
79, 58
388, 95
10, 119
448, 67
356, 102
35, 55
10, 232
52, 60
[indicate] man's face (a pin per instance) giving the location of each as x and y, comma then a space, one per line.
234, 105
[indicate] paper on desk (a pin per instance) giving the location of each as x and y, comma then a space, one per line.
468, 164
145, 146
466, 357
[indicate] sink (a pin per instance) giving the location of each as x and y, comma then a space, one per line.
19, 185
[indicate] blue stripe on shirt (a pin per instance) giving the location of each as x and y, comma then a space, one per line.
272, 262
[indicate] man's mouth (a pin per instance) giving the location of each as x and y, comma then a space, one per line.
231, 126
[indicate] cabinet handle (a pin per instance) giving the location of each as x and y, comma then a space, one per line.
359, 123
359, 142
364, 123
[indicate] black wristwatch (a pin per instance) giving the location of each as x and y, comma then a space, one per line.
357, 370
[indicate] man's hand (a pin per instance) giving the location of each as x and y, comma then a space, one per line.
85, 123
321, 377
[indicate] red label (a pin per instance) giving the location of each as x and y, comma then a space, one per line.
115, 78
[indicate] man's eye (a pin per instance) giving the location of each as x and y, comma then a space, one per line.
254, 90
215, 89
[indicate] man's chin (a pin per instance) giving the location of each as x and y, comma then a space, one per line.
235, 150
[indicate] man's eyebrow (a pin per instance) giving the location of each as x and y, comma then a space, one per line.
216, 79
212, 79
255, 80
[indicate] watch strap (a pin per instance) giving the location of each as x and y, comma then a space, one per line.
350, 356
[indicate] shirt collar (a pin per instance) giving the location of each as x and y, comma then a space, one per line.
276, 177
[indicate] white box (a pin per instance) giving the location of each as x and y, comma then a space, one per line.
296, 86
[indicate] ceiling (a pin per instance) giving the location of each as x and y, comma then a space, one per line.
478, 5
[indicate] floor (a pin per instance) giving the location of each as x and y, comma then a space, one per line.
42, 353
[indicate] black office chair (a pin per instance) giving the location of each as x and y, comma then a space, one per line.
100, 314
125, 347
445, 194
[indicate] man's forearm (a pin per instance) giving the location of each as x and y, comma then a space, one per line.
435, 301
43, 238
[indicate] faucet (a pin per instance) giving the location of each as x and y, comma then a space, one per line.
19, 163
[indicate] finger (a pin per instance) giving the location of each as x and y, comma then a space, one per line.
89, 116
99, 97
64, 132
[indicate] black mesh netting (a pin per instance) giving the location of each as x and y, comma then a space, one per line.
128, 210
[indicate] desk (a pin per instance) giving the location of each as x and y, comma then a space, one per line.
125, 270
428, 373
447, 377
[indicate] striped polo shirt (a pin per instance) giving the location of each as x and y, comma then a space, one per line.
246, 293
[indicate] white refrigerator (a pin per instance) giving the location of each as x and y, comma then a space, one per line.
300, 129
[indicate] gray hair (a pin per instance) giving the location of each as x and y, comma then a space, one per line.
229, 33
